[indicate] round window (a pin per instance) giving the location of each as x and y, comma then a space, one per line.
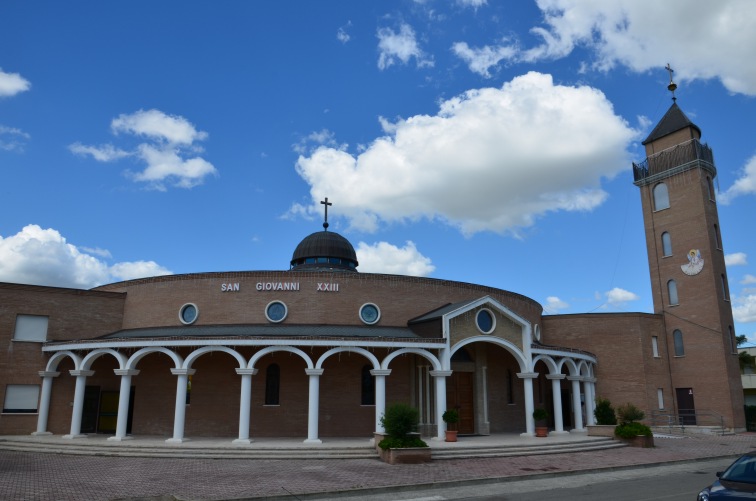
485, 321
276, 311
369, 313
188, 313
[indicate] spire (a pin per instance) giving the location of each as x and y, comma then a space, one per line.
326, 203
672, 85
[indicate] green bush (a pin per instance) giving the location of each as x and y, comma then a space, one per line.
629, 413
604, 412
540, 414
399, 420
630, 430
401, 443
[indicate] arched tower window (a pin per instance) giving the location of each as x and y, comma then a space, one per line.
710, 188
368, 387
725, 294
666, 244
661, 197
672, 290
718, 236
679, 346
272, 384
733, 341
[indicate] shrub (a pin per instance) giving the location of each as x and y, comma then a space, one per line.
401, 443
450, 416
629, 413
604, 412
630, 430
540, 414
399, 420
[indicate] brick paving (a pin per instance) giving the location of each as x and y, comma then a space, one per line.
46, 476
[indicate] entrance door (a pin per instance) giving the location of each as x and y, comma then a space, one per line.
460, 395
89, 411
106, 422
686, 408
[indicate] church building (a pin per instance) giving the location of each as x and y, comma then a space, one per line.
319, 350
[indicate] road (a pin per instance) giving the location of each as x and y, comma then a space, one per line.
678, 482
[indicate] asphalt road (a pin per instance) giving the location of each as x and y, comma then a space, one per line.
678, 482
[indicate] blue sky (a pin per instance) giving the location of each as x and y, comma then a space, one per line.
481, 141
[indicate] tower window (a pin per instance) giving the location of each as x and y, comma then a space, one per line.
666, 244
733, 342
725, 293
672, 290
272, 384
661, 197
710, 188
655, 346
679, 346
718, 236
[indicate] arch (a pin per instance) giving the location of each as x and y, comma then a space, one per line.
417, 351
271, 349
207, 349
52, 364
140, 354
572, 367
362, 351
584, 368
550, 363
93, 355
672, 293
511, 348
661, 197
666, 244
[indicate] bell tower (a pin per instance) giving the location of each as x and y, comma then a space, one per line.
687, 268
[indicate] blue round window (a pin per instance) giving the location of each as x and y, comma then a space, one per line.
276, 311
485, 321
369, 313
188, 313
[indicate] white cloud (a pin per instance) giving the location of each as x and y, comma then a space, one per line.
617, 296
322, 137
736, 259
491, 159
472, 3
481, 60
402, 46
13, 139
745, 311
171, 140
12, 84
744, 185
700, 38
555, 304
383, 257
748, 279
342, 35
43, 257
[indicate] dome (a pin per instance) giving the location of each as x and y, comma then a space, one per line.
324, 251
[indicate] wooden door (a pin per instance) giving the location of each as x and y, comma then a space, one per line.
460, 395
686, 407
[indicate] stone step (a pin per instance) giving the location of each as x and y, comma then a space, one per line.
525, 450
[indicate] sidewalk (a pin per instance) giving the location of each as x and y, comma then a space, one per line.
36, 476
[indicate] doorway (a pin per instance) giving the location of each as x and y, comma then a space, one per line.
686, 407
460, 395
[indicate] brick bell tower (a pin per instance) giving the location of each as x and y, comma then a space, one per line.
688, 275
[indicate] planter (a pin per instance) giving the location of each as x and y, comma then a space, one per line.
639, 441
542, 431
409, 455
451, 435
601, 430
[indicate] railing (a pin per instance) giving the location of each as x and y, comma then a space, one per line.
677, 158
676, 422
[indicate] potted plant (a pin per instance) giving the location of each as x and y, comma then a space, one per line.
606, 419
402, 445
630, 430
541, 417
451, 418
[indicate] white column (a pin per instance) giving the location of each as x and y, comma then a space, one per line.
577, 411
123, 403
380, 396
312, 414
527, 382
245, 402
78, 404
590, 400
179, 415
556, 391
44, 402
439, 378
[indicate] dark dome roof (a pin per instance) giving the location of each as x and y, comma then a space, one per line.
324, 250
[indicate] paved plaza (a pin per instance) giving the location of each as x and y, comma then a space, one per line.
56, 476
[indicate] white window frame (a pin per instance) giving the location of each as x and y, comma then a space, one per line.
21, 399
31, 328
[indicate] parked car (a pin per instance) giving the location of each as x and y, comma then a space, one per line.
738, 481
